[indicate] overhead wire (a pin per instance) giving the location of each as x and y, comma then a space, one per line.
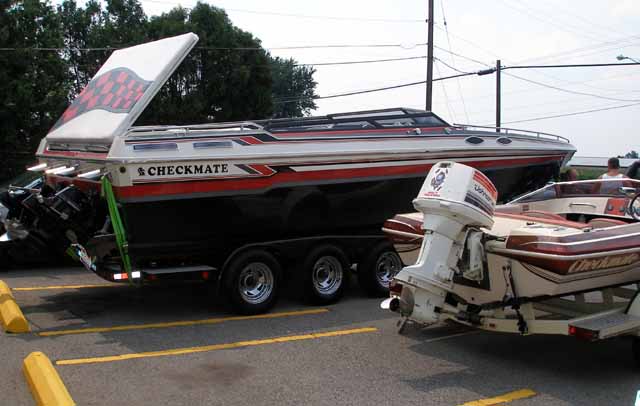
571, 24
567, 90
446, 96
379, 89
446, 28
574, 113
293, 47
573, 14
546, 21
306, 16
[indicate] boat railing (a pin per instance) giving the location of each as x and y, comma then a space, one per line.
513, 131
243, 127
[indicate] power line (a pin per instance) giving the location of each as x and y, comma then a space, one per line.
446, 96
547, 21
379, 89
307, 16
572, 13
451, 67
403, 46
569, 91
572, 65
360, 62
475, 45
549, 17
446, 29
575, 113
613, 43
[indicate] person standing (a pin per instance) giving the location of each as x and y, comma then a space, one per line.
613, 170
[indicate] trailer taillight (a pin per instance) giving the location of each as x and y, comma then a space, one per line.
583, 334
395, 288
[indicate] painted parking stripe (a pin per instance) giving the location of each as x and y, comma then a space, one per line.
216, 347
180, 323
507, 397
54, 287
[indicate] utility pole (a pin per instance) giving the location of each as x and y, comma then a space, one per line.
498, 68
428, 104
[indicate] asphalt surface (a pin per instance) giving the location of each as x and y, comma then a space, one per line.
363, 361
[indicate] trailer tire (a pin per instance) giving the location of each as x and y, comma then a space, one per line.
250, 281
324, 275
378, 268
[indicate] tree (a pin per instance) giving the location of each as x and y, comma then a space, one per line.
293, 88
34, 84
217, 81
228, 76
632, 155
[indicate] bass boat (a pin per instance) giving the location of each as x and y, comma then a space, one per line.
594, 203
516, 273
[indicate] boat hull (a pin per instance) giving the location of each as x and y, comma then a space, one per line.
177, 225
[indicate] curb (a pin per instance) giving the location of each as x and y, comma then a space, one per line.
11, 316
5, 290
45, 383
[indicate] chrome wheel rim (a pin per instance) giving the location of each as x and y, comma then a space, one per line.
256, 283
327, 275
387, 266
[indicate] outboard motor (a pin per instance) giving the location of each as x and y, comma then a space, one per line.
456, 201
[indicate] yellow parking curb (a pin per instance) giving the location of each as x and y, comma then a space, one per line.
45, 383
11, 316
5, 290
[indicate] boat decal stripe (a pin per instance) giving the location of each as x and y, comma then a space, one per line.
470, 198
356, 165
248, 169
180, 186
486, 183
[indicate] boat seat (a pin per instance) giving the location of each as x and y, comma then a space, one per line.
545, 218
543, 215
603, 222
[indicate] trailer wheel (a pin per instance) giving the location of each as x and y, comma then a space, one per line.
324, 275
378, 268
251, 281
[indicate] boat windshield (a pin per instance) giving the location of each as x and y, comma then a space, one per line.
398, 118
600, 187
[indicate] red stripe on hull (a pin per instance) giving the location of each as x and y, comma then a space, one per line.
74, 154
217, 185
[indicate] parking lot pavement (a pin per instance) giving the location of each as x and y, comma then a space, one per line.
184, 349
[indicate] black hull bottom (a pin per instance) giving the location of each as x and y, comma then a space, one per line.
212, 227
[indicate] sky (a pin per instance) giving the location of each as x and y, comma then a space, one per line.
476, 34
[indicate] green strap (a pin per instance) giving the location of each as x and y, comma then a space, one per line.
118, 227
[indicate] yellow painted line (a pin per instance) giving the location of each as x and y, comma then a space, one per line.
54, 287
180, 323
45, 383
215, 347
507, 397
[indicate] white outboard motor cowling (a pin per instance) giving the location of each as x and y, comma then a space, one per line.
455, 200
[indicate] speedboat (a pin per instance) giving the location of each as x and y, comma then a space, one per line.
516, 273
128, 196
594, 203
